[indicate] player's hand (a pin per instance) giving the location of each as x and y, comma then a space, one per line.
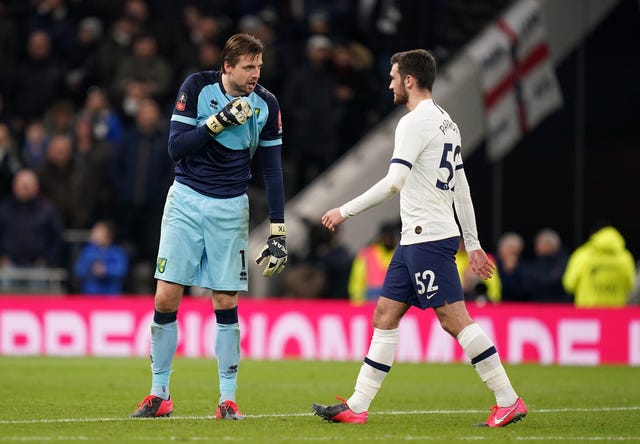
480, 264
274, 253
235, 113
332, 219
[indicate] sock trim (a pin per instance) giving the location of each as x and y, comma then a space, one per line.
164, 318
484, 355
377, 365
228, 316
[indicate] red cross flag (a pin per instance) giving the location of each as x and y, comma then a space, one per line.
518, 81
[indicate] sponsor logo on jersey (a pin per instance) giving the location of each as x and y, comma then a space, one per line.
181, 104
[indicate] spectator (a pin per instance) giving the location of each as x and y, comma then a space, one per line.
36, 141
315, 108
102, 265
323, 272
117, 45
61, 182
510, 267
335, 260
83, 65
39, 79
9, 39
207, 57
58, 118
105, 122
385, 26
52, 17
142, 173
155, 21
544, 272
10, 162
370, 265
355, 92
277, 55
134, 94
30, 226
601, 272
184, 54
145, 67
93, 160
475, 288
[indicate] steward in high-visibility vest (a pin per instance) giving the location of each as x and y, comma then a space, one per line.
370, 266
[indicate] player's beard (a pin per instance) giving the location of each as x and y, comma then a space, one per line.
400, 96
243, 88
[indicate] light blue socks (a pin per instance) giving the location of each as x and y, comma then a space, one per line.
227, 349
164, 340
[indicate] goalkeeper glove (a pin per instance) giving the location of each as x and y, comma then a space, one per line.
235, 113
274, 253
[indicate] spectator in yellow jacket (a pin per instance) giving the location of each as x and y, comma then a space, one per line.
601, 272
370, 266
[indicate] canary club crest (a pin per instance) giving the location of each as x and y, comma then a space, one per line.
161, 264
181, 104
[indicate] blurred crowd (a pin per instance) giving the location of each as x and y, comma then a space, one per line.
86, 92
87, 88
599, 273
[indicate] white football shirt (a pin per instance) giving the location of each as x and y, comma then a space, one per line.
427, 167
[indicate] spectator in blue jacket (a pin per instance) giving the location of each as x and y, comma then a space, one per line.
102, 266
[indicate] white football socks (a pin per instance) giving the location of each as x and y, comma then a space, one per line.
486, 361
375, 367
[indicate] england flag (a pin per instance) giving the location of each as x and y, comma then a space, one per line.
518, 81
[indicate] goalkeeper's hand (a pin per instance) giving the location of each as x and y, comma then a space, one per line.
235, 113
274, 253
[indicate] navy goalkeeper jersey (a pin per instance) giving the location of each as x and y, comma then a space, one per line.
220, 166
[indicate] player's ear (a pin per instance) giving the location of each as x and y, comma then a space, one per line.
408, 80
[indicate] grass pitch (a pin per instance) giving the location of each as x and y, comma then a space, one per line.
89, 400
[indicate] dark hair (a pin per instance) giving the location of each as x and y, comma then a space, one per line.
240, 45
419, 64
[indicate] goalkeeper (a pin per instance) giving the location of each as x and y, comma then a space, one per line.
220, 119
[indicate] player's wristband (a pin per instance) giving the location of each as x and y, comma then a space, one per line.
214, 125
277, 229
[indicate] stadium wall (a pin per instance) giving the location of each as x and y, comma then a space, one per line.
315, 330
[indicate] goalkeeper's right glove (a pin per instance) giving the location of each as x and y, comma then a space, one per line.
235, 113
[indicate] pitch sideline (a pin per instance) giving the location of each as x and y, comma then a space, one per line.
288, 415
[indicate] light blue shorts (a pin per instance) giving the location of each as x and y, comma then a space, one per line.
204, 240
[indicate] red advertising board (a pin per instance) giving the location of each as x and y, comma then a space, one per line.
306, 329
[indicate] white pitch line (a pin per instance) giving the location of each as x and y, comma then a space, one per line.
288, 415
384, 438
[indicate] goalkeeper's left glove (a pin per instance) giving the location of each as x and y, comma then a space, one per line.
274, 253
